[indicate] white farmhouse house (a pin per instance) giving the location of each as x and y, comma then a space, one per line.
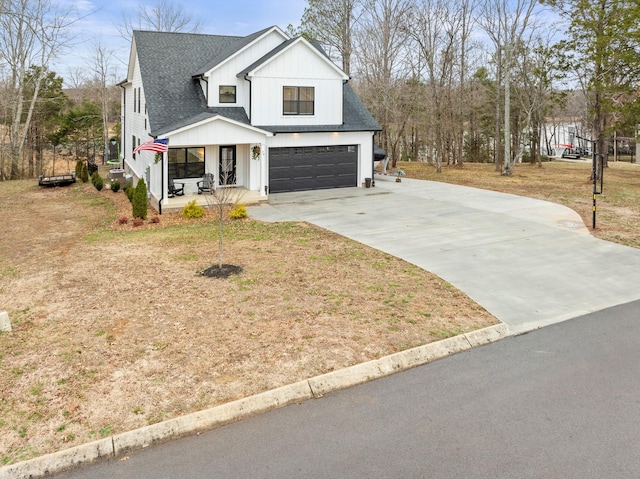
265, 113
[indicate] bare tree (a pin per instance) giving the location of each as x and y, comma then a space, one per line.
505, 22
32, 32
163, 16
222, 196
103, 72
382, 63
440, 31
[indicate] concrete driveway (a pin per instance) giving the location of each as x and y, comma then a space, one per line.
528, 262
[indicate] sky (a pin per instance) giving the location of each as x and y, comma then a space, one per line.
99, 21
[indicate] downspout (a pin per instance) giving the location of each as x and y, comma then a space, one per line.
246, 77
123, 116
162, 188
373, 157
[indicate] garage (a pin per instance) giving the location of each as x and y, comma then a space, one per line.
312, 168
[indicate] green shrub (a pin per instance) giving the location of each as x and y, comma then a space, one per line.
239, 211
129, 190
140, 200
84, 176
97, 181
79, 169
192, 210
115, 186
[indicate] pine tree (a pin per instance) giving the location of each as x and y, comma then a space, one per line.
140, 200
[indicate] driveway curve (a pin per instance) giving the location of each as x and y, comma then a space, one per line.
528, 262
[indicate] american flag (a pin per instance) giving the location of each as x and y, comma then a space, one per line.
159, 145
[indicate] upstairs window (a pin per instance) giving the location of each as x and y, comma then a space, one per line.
227, 94
298, 100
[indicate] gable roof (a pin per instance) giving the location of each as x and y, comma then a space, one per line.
233, 49
286, 45
174, 99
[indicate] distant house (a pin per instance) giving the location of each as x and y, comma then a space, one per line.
265, 112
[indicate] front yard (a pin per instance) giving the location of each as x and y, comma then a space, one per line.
114, 329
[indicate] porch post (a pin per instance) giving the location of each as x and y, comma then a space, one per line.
164, 165
264, 170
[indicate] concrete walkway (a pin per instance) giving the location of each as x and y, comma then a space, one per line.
528, 262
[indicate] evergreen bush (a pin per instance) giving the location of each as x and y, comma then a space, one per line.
129, 190
192, 210
115, 186
84, 176
79, 169
97, 181
140, 200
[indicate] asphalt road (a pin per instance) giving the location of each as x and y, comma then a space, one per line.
558, 402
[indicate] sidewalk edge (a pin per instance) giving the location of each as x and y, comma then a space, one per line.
242, 408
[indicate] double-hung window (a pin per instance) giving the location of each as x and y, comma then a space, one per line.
298, 100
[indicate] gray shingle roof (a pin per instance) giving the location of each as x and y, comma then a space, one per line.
174, 99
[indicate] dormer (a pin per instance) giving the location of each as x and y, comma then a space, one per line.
218, 78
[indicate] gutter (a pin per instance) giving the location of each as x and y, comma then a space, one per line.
246, 77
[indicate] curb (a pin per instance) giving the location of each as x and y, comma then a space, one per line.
242, 408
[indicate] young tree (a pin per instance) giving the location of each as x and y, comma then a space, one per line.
221, 198
140, 200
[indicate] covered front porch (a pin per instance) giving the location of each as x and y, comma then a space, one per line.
177, 203
217, 151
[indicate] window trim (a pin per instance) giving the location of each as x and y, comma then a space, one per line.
287, 105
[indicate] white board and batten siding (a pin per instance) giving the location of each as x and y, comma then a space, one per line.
216, 131
297, 66
136, 125
226, 73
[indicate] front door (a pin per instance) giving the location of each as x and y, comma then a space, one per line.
227, 165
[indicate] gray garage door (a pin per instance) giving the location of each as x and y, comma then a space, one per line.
312, 168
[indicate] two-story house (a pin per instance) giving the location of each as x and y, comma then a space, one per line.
265, 112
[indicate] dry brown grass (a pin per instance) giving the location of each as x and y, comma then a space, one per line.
566, 183
115, 329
